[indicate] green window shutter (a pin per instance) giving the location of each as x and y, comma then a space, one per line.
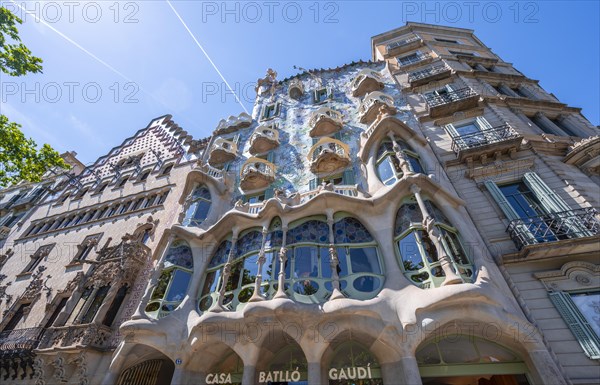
315, 96
549, 199
451, 130
270, 157
330, 92
509, 211
314, 141
277, 109
580, 328
348, 177
312, 185
337, 135
483, 123
553, 203
269, 193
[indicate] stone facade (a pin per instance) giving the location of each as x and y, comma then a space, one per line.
427, 217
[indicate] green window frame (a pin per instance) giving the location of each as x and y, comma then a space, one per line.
577, 323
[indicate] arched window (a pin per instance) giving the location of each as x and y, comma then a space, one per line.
388, 165
174, 280
354, 364
469, 360
418, 254
199, 206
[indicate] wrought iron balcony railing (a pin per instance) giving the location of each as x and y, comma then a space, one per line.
554, 227
449, 97
402, 43
406, 61
483, 137
20, 339
428, 72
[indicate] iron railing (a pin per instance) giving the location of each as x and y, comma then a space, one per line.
20, 339
449, 97
483, 137
427, 72
554, 227
401, 43
412, 59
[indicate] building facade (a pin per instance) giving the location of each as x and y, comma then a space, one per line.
423, 218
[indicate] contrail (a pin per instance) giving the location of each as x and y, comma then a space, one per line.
73, 42
206, 54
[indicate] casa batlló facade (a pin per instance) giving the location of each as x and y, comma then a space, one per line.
427, 217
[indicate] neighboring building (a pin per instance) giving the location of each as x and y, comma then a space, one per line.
79, 265
17, 201
351, 230
528, 167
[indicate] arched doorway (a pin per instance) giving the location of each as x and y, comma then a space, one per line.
287, 366
352, 364
229, 370
149, 372
468, 360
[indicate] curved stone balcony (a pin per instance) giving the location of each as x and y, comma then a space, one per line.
328, 156
296, 89
257, 174
222, 151
233, 123
264, 139
367, 80
325, 121
372, 104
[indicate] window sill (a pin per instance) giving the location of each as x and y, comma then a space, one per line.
24, 275
74, 264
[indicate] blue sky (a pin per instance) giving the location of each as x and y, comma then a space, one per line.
110, 67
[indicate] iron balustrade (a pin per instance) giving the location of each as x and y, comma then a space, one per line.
483, 137
449, 97
20, 339
554, 227
401, 43
427, 72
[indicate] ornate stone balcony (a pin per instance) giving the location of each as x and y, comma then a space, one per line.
222, 151
404, 45
256, 174
485, 143
16, 353
88, 335
585, 155
573, 231
325, 121
264, 139
450, 102
373, 104
328, 156
436, 72
367, 80
233, 123
295, 89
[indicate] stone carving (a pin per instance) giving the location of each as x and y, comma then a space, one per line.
37, 284
81, 371
38, 371
3, 288
59, 369
286, 198
267, 84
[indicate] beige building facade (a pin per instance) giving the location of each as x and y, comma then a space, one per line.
423, 218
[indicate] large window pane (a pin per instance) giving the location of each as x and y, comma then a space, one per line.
179, 286
307, 263
410, 252
364, 260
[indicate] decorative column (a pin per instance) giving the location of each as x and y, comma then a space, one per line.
400, 155
139, 313
571, 124
334, 261
218, 306
282, 259
436, 237
549, 125
256, 297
